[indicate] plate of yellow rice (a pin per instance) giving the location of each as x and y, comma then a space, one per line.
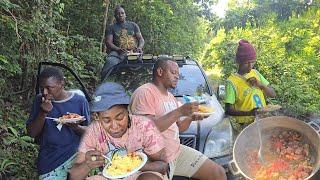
204, 110
124, 166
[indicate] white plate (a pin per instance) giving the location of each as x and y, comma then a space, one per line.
144, 160
71, 120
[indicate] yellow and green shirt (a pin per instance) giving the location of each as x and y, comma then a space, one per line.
243, 96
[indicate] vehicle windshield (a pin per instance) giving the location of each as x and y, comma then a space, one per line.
131, 76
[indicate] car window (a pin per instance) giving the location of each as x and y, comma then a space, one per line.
131, 76
191, 81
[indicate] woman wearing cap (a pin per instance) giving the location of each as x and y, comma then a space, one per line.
246, 89
116, 128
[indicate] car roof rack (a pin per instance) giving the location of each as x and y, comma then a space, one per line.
144, 58
150, 58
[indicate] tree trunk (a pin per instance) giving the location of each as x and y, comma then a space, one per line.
105, 20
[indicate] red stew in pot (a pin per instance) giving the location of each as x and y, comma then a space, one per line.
287, 157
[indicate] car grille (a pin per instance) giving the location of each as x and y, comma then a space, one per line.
188, 140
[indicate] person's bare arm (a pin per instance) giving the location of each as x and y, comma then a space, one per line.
165, 121
231, 111
267, 90
84, 163
112, 46
80, 169
140, 42
34, 128
80, 130
157, 163
184, 124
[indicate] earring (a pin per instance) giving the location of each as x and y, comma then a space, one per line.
95, 116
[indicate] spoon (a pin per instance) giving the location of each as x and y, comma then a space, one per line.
268, 108
109, 161
261, 159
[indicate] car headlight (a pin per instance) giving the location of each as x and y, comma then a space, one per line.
219, 140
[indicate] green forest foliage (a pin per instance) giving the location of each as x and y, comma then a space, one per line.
285, 33
288, 55
71, 32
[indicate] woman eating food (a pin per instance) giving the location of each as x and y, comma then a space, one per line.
115, 128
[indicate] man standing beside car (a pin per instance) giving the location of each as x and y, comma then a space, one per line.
57, 146
246, 89
156, 102
122, 37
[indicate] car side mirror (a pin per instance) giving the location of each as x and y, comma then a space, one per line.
221, 92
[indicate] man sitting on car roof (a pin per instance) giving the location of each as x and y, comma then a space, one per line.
156, 102
122, 37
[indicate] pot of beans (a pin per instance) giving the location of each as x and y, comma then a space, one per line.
291, 150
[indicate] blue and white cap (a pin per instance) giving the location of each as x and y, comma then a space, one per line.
107, 95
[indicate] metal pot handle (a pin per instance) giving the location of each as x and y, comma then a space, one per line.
315, 126
233, 167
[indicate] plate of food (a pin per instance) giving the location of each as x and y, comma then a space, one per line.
133, 54
70, 118
269, 108
204, 110
124, 166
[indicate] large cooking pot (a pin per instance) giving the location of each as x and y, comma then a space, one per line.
248, 139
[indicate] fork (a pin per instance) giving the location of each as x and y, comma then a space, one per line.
52, 118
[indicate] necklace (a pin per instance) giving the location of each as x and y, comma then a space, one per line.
115, 144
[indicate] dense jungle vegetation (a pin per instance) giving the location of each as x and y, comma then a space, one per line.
286, 35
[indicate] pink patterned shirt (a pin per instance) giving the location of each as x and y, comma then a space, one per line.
142, 134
